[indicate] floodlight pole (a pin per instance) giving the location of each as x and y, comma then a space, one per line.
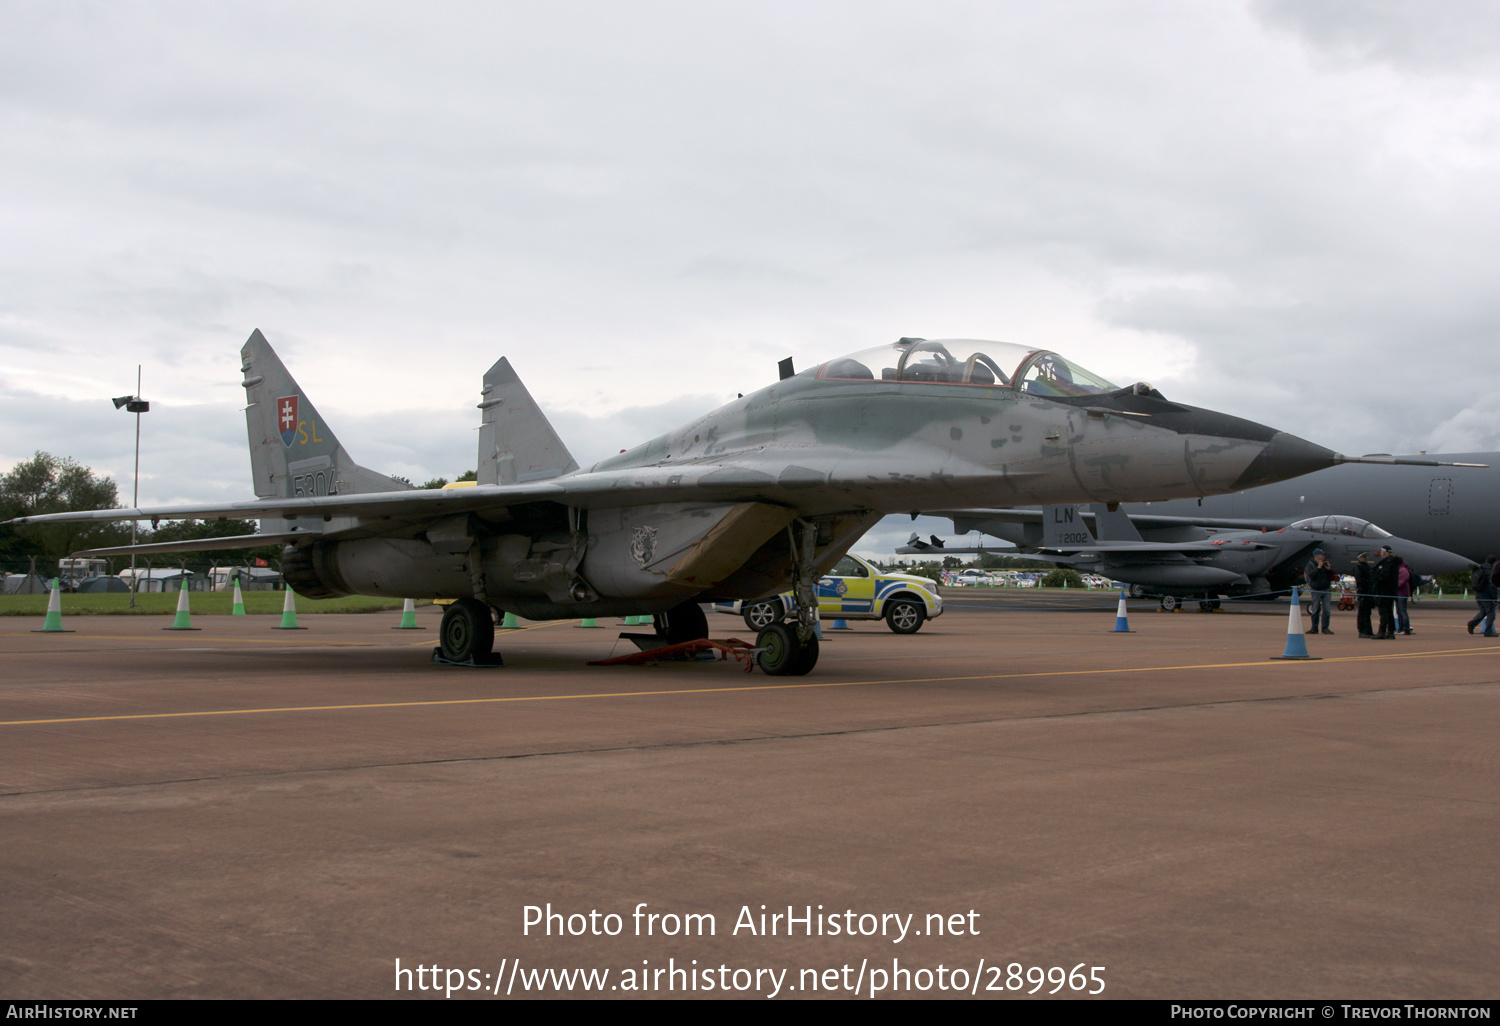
135, 495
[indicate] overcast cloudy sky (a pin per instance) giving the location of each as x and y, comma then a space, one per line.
1286, 211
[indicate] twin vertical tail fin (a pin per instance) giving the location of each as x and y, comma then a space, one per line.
516, 443
293, 452
1063, 528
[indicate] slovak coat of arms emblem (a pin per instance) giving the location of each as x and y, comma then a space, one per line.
642, 545
286, 419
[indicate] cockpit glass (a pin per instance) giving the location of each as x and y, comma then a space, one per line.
1051, 375
969, 362
1349, 527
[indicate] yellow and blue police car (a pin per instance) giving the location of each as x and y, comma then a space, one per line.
854, 590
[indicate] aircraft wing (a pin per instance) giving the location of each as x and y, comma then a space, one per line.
233, 541
1127, 548
718, 482
1140, 520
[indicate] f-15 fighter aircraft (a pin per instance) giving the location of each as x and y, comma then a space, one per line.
1179, 557
766, 492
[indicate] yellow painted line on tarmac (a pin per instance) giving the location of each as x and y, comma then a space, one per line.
1442, 653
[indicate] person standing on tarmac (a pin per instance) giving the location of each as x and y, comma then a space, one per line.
1320, 576
1484, 594
1384, 577
1407, 584
1364, 587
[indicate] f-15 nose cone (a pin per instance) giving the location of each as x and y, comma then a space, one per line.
1283, 457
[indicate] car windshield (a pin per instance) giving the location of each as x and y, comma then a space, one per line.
1350, 527
969, 362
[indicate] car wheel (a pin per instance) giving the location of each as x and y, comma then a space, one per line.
904, 617
467, 633
762, 614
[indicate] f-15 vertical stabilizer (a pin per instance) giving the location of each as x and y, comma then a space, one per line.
516, 443
293, 452
1063, 528
1114, 527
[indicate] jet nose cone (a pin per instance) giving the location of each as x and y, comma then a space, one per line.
1283, 457
1426, 559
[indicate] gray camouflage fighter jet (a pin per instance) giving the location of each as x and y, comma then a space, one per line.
1179, 557
765, 492
1435, 507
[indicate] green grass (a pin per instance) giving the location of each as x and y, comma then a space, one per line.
207, 603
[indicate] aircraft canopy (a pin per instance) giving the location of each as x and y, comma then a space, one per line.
969, 362
1352, 527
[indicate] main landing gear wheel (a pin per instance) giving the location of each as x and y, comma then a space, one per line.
1169, 603
468, 631
783, 653
762, 614
1208, 606
685, 622
904, 617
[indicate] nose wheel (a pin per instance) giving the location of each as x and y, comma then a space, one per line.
791, 649
784, 653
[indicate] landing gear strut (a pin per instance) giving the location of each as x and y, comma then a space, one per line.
791, 649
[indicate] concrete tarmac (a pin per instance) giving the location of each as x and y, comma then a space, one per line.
244, 812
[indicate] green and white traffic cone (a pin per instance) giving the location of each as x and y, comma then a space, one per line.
588, 621
409, 618
183, 622
289, 614
53, 623
239, 600
509, 622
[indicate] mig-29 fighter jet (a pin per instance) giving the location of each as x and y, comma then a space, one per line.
767, 492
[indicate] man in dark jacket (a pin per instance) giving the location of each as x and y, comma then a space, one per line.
1320, 577
1384, 577
1364, 586
1484, 594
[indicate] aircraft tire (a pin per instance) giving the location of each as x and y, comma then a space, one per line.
782, 654
807, 657
1208, 605
904, 616
1169, 603
684, 622
467, 633
761, 615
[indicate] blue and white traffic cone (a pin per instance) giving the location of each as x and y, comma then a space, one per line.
1122, 624
841, 625
1296, 641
